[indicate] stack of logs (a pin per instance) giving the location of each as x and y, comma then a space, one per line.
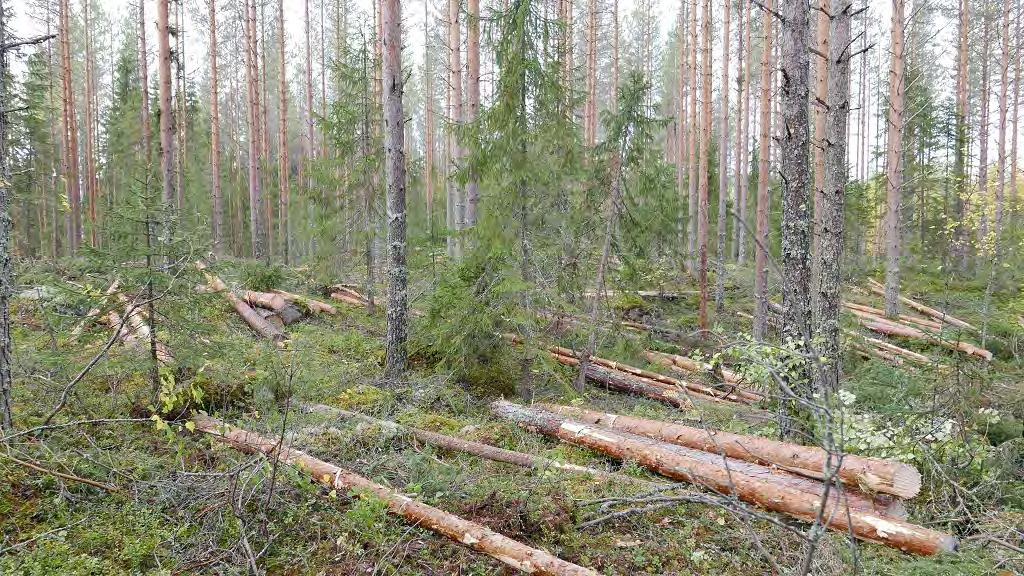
780, 477
927, 327
632, 380
267, 313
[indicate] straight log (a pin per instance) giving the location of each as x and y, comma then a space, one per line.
478, 537
137, 331
312, 305
939, 315
890, 328
479, 449
688, 365
772, 490
875, 474
905, 318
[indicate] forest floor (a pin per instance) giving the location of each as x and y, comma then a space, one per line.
182, 504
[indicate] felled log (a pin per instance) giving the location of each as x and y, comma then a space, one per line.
890, 328
688, 365
875, 474
312, 305
250, 316
878, 345
770, 489
869, 352
646, 294
905, 318
94, 312
478, 537
286, 311
939, 315
480, 449
137, 331
348, 298
271, 317
630, 384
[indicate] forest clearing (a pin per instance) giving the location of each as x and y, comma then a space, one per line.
317, 287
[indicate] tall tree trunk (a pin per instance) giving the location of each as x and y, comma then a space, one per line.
284, 194
795, 173
70, 136
681, 136
472, 97
821, 65
723, 165
1015, 129
90, 124
705, 150
1004, 84
830, 248
6, 276
590, 112
983, 130
959, 243
217, 219
255, 191
166, 115
428, 169
738, 235
180, 109
264, 110
763, 156
143, 63
310, 154
369, 190
691, 178
455, 193
894, 162
397, 312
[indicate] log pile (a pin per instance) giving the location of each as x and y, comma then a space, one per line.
633, 380
476, 536
937, 315
689, 366
349, 295
767, 487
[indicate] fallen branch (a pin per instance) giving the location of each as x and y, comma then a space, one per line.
475, 448
874, 474
478, 537
772, 490
312, 305
62, 475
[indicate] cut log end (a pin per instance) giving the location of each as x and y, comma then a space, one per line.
906, 481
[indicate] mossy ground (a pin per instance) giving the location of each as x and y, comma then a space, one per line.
185, 503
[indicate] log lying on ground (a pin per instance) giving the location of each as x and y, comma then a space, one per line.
890, 328
286, 311
348, 295
480, 449
271, 317
939, 315
862, 310
647, 294
630, 384
887, 350
137, 331
94, 312
478, 537
315, 306
690, 366
250, 316
773, 490
890, 477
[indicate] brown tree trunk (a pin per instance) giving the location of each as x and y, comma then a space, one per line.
70, 136
590, 112
723, 165
703, 185
90, 125
284, 193
983, 132
166, 114
255, 191
682, 132
830, 214
738, 234
147, 135
1015, 128
428, 89
691, 178
475, 536
894, 162
456, 195
875, 474
1004, 84
958, 247
472, 97
394, 148
217, 207
763, 155
818, 105
772, 490
310, 150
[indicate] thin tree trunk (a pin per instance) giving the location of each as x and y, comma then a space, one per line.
166, 115
1015, 128
723, 165
894, 163
1004, 84
428, 90
590, 113
6, 224
472, 97
284, 193
255, 192
147, 135
830, 247
310, 154
398, 304
681, 137
740, 142
217, 219
178, 101
691, 178
983, 131
456, 196
959, 244
90, 124
703, 185
70, 128
763, 156
369, 190
821, 65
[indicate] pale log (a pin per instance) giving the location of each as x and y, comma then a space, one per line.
939, 315
250, 316
312, 305
772, 490
890, 477
478, 537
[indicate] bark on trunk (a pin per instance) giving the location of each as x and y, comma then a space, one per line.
255, 191
217, 218
90, 124
147, 135
795, 173
455, 193
70, 126
308, 303
763, 154
472, 97
830, 213
958, 248
693, 129
475, 536
398, 299
772, 490
284, 192
822, 65
894, 162
723, 166
703, 185
6, 248
876, 474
